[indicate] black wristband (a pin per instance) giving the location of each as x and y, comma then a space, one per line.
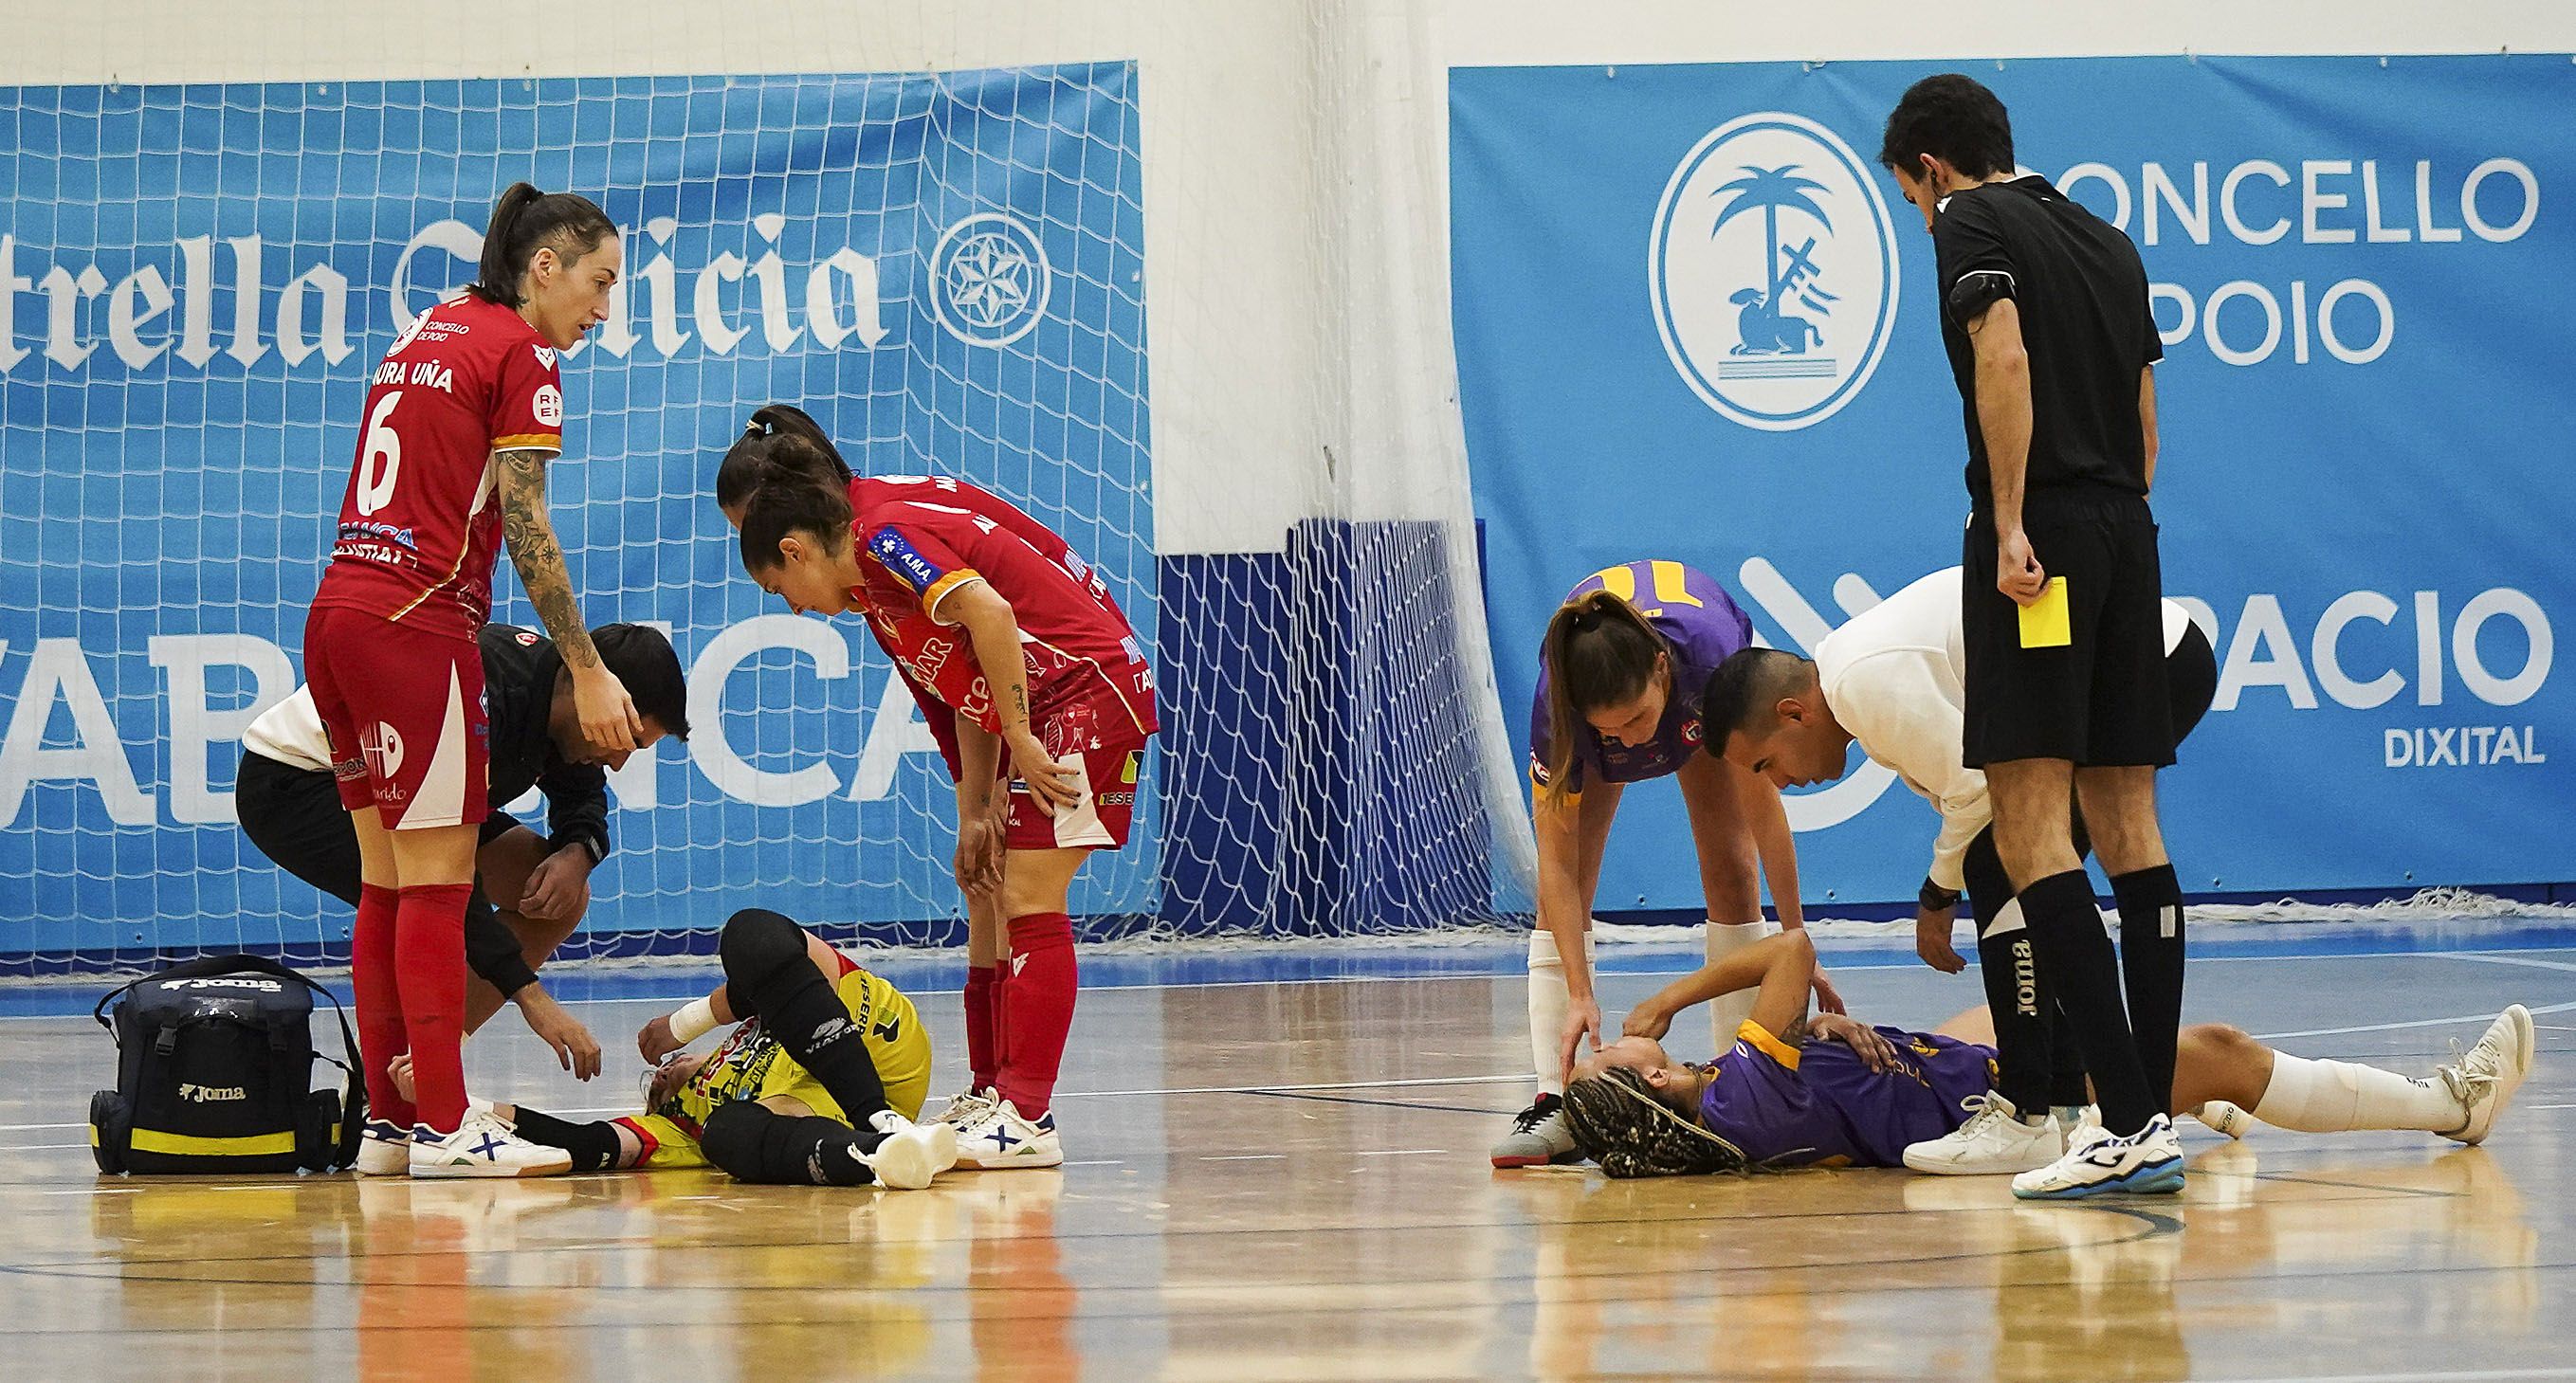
592, 845
1935, 898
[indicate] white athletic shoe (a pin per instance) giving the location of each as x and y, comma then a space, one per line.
2221, 1117
940, 1140
1003, 1139
1994, 1141
483, 1146
2487, 1076
2099, 1162
966, 1107
1540, 1136
384, 1150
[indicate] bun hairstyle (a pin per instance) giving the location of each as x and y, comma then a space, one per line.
1598, 652
795, 505
525, 221
1618, 1122
779, 443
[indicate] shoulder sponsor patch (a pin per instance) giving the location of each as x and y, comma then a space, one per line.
897, 553
549, 405
545, 356
526, 639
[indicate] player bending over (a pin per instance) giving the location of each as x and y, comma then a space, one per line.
1015, 649
1619, 677
817, 1086
1833, 1092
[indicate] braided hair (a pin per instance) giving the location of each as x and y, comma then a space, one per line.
1617, 1121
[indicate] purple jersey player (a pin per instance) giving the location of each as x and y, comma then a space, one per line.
1819, 1104
1832, 1092
1620, 672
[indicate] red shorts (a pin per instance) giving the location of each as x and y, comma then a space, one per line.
405, 715
1111, 760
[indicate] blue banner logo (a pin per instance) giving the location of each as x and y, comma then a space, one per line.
1773, 270
992, 279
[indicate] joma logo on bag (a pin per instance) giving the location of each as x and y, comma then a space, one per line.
263, 986
209, 1094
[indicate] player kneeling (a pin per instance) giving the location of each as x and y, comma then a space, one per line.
1840, 1094
819, 1085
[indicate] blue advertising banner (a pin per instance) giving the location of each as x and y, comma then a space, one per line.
1696, 322
195, 282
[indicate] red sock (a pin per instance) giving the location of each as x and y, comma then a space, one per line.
983, 986
1037, 1009
429, 950
380, 1017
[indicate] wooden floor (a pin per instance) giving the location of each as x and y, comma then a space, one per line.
1286, 1179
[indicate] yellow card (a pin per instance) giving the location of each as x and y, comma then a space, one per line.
2044, 621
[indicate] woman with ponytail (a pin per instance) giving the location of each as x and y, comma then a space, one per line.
1620, 670
460, 420
1036, 690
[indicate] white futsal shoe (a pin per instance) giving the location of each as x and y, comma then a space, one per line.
967, 1106
932, 1146
384, 1150
1540, 1137
1001, 1138
2487, 1076
1995, 1141
2218, 1116
483, 1146
2099, 1162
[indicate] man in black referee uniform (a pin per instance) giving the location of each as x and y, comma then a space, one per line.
2049, 333
530, 891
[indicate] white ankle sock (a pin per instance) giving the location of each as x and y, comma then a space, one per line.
1548, 1002
1727, 1012
2339, 1096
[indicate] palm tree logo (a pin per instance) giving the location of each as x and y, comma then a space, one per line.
1763, 323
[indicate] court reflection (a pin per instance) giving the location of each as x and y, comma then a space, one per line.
1800, 1275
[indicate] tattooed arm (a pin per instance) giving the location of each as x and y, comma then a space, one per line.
995, 631
608, 717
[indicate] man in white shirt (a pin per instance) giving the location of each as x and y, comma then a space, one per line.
1893, 680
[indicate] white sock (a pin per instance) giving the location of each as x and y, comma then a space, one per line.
2339, 1096
1727, 1012
1548, 1001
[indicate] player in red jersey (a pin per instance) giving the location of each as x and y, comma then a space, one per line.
1013, 643
461, 418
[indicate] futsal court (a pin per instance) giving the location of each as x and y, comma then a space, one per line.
1276, 1170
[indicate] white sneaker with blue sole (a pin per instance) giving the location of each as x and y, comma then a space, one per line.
2100, 1163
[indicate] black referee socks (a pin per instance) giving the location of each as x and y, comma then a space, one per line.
2151, 969
2083, 973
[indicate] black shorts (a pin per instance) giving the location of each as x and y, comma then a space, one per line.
295, 818
2099, 699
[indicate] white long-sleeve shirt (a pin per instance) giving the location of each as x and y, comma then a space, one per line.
1896, 677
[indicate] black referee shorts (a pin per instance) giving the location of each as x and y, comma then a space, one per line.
2100, 698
